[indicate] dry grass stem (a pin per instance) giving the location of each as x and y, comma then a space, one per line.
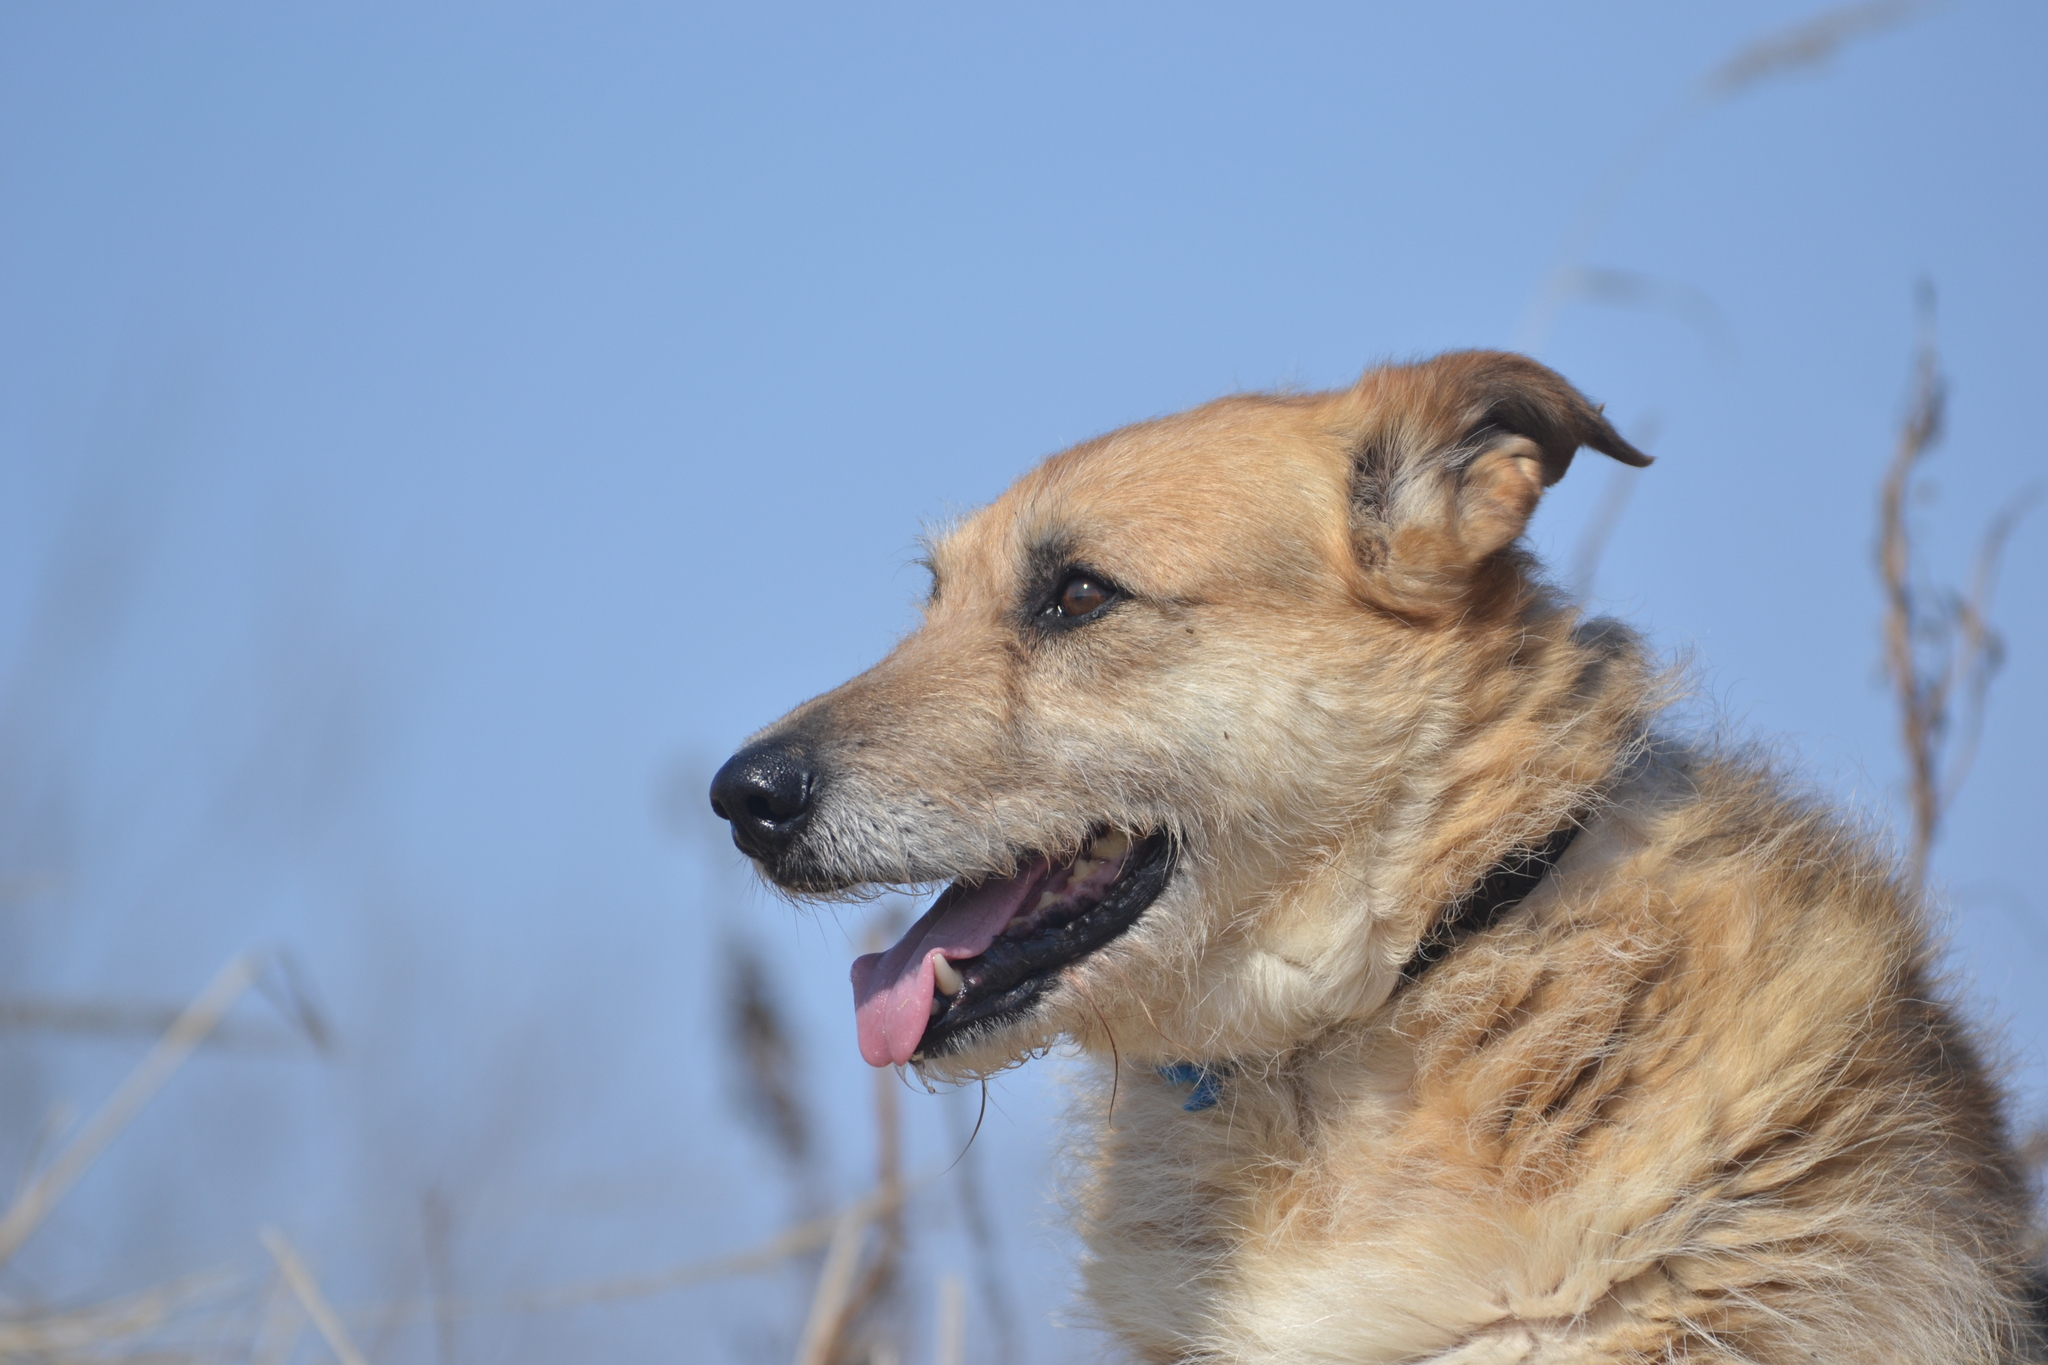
286, 989
826, 1320
279, 1329
1797, 47
998, 1314
126, 1018
880, 1281
765, 1066
1940, 651
1807, 43
307, 1290
95, 1328
805, 1237
799, 1240
840, 1311
1977, 640
56, 1123
951, 1336
437, 1233
177, 1043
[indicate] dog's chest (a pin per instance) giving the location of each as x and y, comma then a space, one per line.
1281, 1221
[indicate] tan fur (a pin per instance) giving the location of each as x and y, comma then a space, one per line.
1697, 1098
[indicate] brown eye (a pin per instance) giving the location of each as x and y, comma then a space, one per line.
1082, 596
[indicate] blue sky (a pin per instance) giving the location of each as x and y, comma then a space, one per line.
431, 437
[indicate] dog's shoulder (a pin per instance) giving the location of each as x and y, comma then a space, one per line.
1707, 1054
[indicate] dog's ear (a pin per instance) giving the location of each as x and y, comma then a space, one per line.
1450, 459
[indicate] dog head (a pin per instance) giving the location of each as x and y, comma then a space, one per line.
1174, 694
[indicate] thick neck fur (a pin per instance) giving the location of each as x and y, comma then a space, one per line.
1540, 714
1693, 1100
1527, 715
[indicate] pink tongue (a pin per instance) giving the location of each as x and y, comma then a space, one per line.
892, 991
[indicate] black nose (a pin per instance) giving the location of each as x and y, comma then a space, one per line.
765, 790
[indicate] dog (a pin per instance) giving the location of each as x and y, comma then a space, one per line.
1445, 1007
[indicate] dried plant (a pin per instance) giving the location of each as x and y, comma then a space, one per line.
764, 1064
130, 1018
181, 1320
186, 1319
1797, 47
1940, 650
999, 1313
850, 1318
307, 1290
437, 1233
2033, 1161
178, 1042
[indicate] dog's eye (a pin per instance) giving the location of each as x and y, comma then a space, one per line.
1080, 596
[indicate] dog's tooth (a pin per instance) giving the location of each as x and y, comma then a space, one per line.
950, 980
1083, 866
1110, 846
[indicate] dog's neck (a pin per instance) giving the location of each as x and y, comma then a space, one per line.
1524, 731
1485, 903
1544, 717
1504, 886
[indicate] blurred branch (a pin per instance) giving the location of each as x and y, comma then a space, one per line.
796, 1241
1635, 289
1923, 701
835, 1323
997, 1311
1808, 43
951, 1336
1798, 46
1938, 644
1978, 642
171, 1051
93, 1329
123, 1018
288, 990
761, 1050
2033, 1159
830, 1305
279, 1328
801, 1239
437, 1233
307, 1289
56, 1123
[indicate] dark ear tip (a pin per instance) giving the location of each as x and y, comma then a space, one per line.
1605, 439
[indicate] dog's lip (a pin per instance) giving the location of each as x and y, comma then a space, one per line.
1002, 945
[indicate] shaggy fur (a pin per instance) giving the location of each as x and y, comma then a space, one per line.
1697, 1098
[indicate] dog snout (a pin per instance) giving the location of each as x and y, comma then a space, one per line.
765, 791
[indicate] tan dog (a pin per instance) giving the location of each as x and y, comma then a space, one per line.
1458, 1015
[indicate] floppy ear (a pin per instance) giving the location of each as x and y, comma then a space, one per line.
1451, 459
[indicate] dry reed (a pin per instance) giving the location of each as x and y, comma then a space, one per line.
307, 1290
1940, 651
177, 1044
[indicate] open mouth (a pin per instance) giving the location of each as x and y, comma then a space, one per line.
987, 950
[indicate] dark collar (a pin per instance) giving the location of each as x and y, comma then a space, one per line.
1504, 886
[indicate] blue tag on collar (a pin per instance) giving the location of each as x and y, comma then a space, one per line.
1208, 1084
